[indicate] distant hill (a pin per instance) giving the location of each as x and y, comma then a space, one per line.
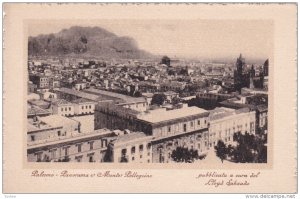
86, 41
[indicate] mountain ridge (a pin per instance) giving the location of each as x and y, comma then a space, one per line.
85, 41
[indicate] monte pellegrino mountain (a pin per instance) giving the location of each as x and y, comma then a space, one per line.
86, 42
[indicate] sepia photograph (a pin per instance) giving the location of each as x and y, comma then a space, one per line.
135, 91
150, 98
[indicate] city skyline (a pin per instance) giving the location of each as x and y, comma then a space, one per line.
202, 39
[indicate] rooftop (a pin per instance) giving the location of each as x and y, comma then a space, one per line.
161, 115
131, 137
75, 137
39, 102
57, 120
219, 113
80, 94
35, 110
126, 98
61, 102
82, 100
112, 107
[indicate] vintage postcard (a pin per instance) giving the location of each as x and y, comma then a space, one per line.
155, 98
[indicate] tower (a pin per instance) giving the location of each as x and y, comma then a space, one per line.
266, 68
251, 75
239, 80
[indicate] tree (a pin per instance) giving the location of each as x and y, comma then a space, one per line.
176, 100
182, 154
137, 94
250, 148
230, 151
221, 150
158, 99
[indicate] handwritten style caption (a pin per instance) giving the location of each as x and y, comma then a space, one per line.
104, 174
227, 179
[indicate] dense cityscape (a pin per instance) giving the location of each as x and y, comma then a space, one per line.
157, 110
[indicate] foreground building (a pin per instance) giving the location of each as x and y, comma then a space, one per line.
89, 147
224, 122
184, 127
132, 148
40, 129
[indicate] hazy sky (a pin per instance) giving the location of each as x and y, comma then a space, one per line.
185, 38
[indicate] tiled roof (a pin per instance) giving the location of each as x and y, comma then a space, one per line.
80, 94
82, 100
35, 110
62, 102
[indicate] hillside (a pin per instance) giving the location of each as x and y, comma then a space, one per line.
86, 41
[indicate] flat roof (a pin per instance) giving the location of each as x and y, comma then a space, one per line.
131, 137
221, 112
80, 94
57, 120
126, 98
161, 115
77, 138
38, 102
83, 100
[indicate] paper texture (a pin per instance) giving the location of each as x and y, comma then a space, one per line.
265, 30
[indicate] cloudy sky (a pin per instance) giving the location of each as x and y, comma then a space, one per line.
184, 38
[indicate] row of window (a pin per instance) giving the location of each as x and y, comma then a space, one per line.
82, 107
90, 157
137, 105
66, 109
91, 147
246, 124
43, 79
141, 148
124, 158
185, 126
79, 148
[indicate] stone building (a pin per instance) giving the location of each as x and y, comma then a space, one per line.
185, 127
224, 122
88, 147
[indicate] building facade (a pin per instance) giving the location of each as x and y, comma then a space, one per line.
89, 147
224, 122
63, 107
131, 148
50, 127
184, 127
83, 107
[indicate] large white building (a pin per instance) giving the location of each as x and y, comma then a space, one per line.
83, 106
83, 147
169, 129
224, 122
63, 107
132, 148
